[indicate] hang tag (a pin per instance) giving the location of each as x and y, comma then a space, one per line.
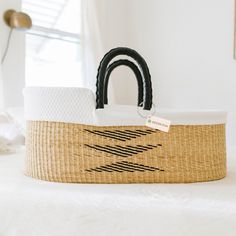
158, 123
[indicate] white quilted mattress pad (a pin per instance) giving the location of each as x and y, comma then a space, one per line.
77, 105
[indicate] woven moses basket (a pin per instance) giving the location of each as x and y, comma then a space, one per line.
73, 137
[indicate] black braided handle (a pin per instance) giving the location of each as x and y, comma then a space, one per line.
147, 84
136, 71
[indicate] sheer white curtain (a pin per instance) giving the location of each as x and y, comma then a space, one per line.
1, 90
91, 42
100, 33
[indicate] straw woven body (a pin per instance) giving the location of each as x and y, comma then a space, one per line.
74, 153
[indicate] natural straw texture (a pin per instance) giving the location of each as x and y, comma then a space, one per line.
75, 153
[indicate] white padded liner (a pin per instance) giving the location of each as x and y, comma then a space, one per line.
77, 105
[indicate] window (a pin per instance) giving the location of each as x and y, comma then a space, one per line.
53, 43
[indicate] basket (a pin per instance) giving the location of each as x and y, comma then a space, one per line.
74, 137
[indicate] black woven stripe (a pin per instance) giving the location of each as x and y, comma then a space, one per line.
132, 135
99, 169
110, 150
136, 168
136, 132
112, 133
148, 131
111, 136
135, 165
115, 169
151, 130
98, 148
114, 149
120, 168
137, 148
151, 146
104, 135
125, 168
94, 170
104, 168
149, 167
130, 148
145, 147
155, 146
124, 149
121, 135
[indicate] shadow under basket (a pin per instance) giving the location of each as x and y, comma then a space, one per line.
75, 153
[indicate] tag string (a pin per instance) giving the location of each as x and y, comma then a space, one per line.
151, 114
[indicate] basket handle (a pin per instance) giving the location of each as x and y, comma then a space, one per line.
147, 84
136, 71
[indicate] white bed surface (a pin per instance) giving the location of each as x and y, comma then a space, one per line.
31, 207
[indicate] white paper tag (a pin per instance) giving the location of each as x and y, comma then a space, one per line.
158, 123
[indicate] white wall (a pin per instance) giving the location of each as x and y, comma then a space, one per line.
13, 67
188, 45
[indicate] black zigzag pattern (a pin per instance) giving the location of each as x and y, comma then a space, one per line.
124, 166
123, 151
123, 135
